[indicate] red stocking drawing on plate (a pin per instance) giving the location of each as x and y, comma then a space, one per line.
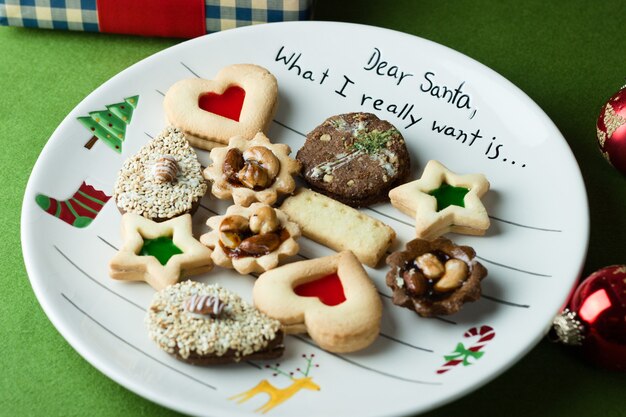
80, 209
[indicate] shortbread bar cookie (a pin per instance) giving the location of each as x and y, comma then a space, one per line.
252, 170
251, 239
209, 325
355, 158
239, 101
442, 201
163, 180
158, 253
434, 277
330, 298
338, 226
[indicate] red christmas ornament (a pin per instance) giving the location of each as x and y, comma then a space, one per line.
611, 130
596, 318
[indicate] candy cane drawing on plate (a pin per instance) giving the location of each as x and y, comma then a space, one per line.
462, 355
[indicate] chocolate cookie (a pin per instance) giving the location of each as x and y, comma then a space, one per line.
209, 325
355, 158
434, 277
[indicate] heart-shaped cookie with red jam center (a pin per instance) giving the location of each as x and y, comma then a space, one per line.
239, 101
330, 298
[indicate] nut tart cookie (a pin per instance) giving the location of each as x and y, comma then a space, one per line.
240, 101
209, 325
251, 239
163, 180
252, 170
158, 253
330, 298
434, 277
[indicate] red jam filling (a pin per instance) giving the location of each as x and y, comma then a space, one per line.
328, 289
227, 104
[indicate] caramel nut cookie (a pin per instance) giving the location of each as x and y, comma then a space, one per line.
209, 325
442, 201
338, 226
163, 180
252, 170
330, 298
251, 239
239, 101
434, 277
355, 158
158, 253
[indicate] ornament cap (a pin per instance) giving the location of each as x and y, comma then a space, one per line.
567, 328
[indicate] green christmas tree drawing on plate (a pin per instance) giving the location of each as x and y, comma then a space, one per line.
110, 125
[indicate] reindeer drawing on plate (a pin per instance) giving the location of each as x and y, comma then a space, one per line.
276, 395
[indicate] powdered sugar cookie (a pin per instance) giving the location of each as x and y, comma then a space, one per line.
252, 170
251, 239
208, 325
163, 180
330, 298
158, 253
239, 101
442, 201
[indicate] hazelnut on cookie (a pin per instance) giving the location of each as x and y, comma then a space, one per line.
251, 239
252, 170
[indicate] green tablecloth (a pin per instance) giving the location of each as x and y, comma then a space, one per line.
567, 56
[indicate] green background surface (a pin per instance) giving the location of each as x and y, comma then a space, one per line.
567, 56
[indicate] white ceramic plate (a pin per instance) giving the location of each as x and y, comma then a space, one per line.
534, 249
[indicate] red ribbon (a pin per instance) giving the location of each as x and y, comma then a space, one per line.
167, 18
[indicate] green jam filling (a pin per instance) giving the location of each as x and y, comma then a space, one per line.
162, 248
448, 195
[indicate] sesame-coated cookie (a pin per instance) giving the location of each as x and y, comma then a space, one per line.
355, 158
209, 325
163, 180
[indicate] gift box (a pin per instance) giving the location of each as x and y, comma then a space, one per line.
168, 18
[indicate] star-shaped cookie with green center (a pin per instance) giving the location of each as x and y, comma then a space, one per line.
442, 201
158, 253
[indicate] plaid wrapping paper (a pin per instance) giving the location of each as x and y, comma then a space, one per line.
87, 15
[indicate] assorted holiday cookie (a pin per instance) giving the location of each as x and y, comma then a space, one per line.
351, 160
331, 298
251, 239
239, 101
442, 201
158, 253
355, 158
163, 180
252, 170
208, 325
338, 226
434, 277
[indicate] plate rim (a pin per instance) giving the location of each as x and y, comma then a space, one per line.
33, 269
